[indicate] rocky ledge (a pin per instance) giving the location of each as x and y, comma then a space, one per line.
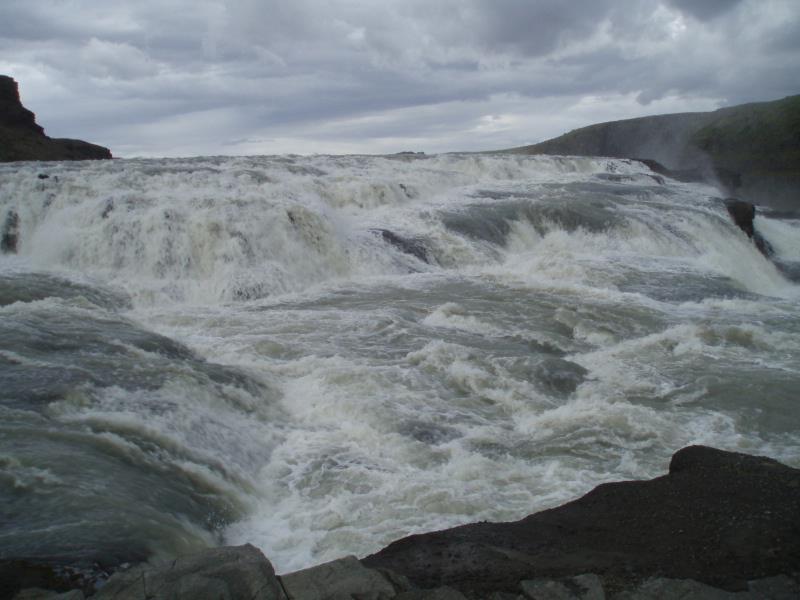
22, 139
719, 525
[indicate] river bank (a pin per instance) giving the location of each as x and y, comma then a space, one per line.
718, 524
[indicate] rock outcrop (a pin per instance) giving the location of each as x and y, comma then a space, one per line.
719, 518
343, 578
752, 151
743, 214
22, 139
719, 525
408, 246
9, 234
231, 572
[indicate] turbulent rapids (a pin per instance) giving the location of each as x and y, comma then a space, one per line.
319, 355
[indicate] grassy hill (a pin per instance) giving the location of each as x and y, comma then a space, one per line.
753, 150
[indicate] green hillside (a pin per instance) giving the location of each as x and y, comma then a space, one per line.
752, 149
763, 136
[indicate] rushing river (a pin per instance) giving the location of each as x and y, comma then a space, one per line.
319, 355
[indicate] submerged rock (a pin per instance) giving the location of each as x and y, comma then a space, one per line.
688, 175
407, 246
559, 376
10, 234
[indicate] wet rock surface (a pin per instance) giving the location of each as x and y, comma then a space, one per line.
408, 246
720, 518
9, 235
743, 213
41, 579
230, 572
40, 594
586, 587
339, 580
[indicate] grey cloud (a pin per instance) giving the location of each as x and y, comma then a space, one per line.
218, 70
704, 9
537, 27
48, 20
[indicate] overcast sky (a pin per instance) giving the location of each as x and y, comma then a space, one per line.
198, 77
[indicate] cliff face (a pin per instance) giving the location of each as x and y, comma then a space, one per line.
752, 150
22, 139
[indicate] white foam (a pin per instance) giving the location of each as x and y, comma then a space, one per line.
455, 316
204, 230
783, 236
402, 396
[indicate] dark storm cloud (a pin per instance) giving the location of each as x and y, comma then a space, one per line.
536, 28
704, 9
204, 76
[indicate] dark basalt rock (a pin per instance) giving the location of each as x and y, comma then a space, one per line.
21, 138
743, 214
408, 246
790, 270
687, 175
13, 113
19, 574
9, 238
720, 518
343, 578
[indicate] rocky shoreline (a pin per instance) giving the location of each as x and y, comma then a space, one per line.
717, 525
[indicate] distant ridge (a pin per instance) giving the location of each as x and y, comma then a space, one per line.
751, 150
22, 139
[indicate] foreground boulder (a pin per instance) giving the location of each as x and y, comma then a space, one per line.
719, 518
230, 572
342, 579
22, 139
40, 581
